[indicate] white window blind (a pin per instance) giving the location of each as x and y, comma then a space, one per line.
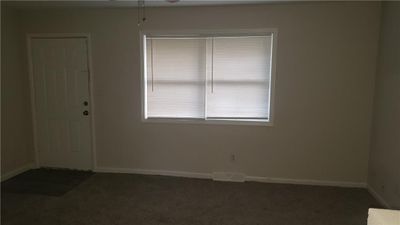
240, 78
175, 77
213, 78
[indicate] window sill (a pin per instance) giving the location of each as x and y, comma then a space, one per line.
251, 122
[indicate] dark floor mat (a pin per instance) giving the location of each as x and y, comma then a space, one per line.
53, 182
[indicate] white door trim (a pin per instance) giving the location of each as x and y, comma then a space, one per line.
87, 36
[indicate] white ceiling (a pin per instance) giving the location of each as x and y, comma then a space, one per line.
128, 3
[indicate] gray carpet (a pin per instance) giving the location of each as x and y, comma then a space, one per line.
122, 199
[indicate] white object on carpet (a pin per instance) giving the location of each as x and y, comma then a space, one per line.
383, 217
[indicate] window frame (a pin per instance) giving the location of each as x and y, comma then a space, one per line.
208, 33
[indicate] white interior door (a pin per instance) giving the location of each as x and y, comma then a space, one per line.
61, 96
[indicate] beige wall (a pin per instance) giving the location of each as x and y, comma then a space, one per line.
16, 129
384, 169
325, 78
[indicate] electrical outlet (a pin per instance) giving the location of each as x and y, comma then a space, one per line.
233, 157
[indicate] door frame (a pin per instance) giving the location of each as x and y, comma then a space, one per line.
92, 135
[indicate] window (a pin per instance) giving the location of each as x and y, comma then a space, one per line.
208, 77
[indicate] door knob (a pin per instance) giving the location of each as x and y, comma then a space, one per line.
85, 103
85, 112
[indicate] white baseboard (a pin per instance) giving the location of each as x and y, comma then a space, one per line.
247, 178
306, 182
378, 197
229, 176
153, 172
15, 172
